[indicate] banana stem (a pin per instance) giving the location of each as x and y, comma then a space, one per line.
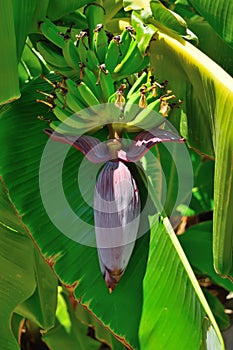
114, 133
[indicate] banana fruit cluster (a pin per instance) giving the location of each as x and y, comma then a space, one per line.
78, 109
97, 56
94, 66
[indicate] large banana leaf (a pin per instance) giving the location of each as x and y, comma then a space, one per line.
9, 84
158, 293
16, 276
206, 122
100, 332
219, 14
23, 289
18, 19
58, 8
29, 66
197, 244
212, 44
69, 332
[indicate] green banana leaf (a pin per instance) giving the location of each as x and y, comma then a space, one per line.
167, 18
205, 121
136, 5
203, 191
9, 84
17, 281
29, 66
17, 323
158, 293
212, 44
59, 8
100, 332
25, 291
209, 41
197, 244
219, 15
40, 308
68, 332
23, 12
18, 19
218, 310
160, 316
144, 33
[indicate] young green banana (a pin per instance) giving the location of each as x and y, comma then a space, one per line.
77, 101
106, 83
71, 100
90, 80
132, 61
147, 118
71, 85
82, 46
52, 54
127, 37
87, 95
64, 116
71, 55
100, 42
73, 103
95, 14
59, 98
92, 61
87, 56
65, 71
113, 54
51, 32
141, 80
131, 108
143, 65
73, 120
64, 129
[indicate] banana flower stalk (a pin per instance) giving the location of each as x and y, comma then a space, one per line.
116, 196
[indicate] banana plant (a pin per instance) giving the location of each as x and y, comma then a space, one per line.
156, 295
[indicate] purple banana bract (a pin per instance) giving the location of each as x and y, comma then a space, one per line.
116, 198
116, 213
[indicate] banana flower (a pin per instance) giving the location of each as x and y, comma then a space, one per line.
116, 197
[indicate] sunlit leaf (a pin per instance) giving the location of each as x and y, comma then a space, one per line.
205, 121
169, 298
9, 84
219, 14
212, 44
40, 308
68, 332
167, 18
17, 282
29, 66
136, 5
23, 12
144, 33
